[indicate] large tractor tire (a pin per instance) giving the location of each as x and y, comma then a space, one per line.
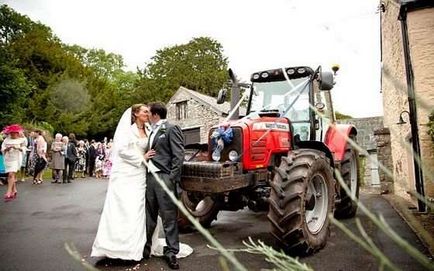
347, 208
301, 199
203, 208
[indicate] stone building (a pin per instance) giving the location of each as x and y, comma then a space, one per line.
407, 46
196, 113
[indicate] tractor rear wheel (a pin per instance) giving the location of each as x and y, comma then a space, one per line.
203, 207
347, 208
302, 197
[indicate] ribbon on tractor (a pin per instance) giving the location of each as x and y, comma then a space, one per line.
220, 137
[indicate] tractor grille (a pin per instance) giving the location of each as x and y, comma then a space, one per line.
210, 169
236, 145
258, 149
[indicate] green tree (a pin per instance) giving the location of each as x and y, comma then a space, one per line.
71, 88
340, 116
74, 89
13, 92
14, 87
198, 65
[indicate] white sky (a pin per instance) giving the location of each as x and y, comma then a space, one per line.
255, 35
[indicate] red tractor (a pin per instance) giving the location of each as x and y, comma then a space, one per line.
279, 157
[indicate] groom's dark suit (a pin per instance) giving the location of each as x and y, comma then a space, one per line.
168, 143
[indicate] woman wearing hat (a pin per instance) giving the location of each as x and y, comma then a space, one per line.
13, 149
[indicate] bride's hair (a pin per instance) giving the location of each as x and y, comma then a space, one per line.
134, 109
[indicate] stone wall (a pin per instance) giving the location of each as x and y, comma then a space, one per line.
365, 130
365, 138
421, 36
198, 116
384, 157
395, 96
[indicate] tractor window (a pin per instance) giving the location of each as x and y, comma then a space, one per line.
291, 98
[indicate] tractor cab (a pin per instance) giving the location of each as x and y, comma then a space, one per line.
289, 93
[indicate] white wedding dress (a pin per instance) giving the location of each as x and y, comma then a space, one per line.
122, 227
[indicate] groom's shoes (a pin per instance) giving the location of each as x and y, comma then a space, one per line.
172, 262
146, 254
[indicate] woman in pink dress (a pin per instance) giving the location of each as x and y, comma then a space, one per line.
107, 166
41, 160
13, 148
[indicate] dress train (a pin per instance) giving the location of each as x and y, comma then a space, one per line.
159, 243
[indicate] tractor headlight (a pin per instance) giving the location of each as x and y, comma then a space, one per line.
290, 71
301, 70
216, 155
233, 155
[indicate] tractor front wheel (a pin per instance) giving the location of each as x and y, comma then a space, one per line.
302, 197
347, 208
202, 207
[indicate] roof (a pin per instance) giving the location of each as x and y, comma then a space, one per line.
409, 5
208, 101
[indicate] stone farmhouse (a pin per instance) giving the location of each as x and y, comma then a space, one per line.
407, 52
196, 113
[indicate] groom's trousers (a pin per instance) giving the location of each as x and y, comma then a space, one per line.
158, 202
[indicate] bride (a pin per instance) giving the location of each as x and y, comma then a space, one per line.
122, 227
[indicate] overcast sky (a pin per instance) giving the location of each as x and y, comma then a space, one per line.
256, 35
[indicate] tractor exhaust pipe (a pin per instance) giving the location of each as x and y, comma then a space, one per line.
235, 95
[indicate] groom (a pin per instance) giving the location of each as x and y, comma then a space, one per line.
168, 142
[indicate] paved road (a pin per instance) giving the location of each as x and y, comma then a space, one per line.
35, 227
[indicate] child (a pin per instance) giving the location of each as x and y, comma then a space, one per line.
98, 166
99, 160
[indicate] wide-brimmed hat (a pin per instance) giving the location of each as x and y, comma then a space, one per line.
13, 128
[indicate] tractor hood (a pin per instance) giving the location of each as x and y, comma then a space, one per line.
255, 138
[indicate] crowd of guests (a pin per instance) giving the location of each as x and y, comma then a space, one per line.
71, 158
28, 154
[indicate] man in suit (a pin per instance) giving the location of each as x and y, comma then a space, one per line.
91, 154
168, 143
70, 159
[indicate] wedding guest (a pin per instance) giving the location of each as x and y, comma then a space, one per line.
2, 163
30, 145
32, 155
92, 157
70, 159
22, 172
72, 139
13, 149
41, 157
86, 147
107, 165
57, 157
100, 155
80, 165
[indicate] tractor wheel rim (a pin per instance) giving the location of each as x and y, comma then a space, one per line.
315, 218
202, 207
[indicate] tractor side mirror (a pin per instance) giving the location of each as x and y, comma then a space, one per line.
221, 97
326, 81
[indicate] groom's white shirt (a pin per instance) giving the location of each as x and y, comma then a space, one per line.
155, 129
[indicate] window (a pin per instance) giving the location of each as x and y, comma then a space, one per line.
191, 135
181, 110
